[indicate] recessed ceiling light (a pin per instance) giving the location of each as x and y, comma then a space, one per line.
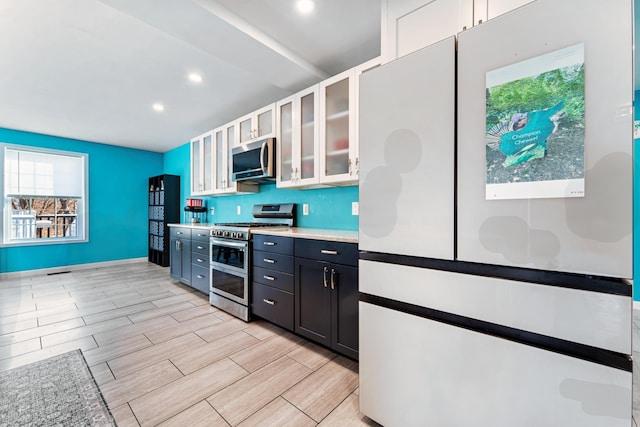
196, 78
158, 107
305, 6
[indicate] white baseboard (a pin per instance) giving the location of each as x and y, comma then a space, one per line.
76, 267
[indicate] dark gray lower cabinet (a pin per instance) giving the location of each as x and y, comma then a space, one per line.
180, 265
200, 270
272, 279
326, 295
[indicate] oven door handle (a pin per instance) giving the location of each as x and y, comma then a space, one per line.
228, 243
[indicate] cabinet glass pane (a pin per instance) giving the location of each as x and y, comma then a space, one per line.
265, 123
219, 158
245, 130
231, 132
286, 141
208, 162
337, 128
307, 132
195, 166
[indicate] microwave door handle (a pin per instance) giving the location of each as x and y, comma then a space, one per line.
262, 149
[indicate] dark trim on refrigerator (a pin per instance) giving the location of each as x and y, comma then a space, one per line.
592, 354
604, 285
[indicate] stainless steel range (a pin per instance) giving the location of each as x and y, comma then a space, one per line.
231, 257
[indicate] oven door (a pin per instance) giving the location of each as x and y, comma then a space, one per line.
230, 285
230, 255
229, 270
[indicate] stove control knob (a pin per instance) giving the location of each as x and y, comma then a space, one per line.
225, 234
234, 234
240, 235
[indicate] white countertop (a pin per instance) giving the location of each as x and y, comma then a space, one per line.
347, 236
311, 233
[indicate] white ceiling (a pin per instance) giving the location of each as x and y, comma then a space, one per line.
91, 69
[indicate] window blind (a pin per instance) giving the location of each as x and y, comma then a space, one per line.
30, 173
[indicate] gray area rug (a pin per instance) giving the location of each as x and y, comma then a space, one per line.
59, 391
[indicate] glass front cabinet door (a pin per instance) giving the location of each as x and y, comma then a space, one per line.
338, 143
202, 164
297, 139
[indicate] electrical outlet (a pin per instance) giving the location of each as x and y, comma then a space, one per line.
239, 210
213, 211
354, 208
305, 209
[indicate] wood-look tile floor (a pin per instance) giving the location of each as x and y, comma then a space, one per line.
163, 356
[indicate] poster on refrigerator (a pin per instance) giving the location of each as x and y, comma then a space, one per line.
535, 127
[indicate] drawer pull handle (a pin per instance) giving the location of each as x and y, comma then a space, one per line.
269, 301
270, 261
200, 247
179, 232
269, 277
269, 243
328, 252
200, 276
200, 260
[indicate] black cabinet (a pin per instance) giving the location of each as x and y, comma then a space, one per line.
326, 294
164, 208
272, 279
180, 268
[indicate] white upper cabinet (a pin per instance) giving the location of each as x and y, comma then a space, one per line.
202, 164
297, 138
337, 128
224, 139
410, 25
259, 124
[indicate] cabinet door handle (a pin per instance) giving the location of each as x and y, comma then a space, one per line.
328, 252
333, 278
270, 261
269, 301
269, 277
200, 276
269, 243
178, 245
326, 270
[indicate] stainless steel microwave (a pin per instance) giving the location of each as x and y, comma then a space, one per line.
254, 161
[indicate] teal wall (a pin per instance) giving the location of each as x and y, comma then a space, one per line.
328, 207
118, 179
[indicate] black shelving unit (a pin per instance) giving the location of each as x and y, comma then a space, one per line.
164, 209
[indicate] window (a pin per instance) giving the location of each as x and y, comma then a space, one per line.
44, 196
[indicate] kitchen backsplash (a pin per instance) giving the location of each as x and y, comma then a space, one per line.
329, 207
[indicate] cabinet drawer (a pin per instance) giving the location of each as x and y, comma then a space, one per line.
273, 305
200, 235
200, 278
200, 259
275, 279
273, 261
281, 245
180, 232
338, 252
200, 247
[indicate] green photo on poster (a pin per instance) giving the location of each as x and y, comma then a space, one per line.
535, 127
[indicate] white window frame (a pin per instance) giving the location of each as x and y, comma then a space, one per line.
83, 203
